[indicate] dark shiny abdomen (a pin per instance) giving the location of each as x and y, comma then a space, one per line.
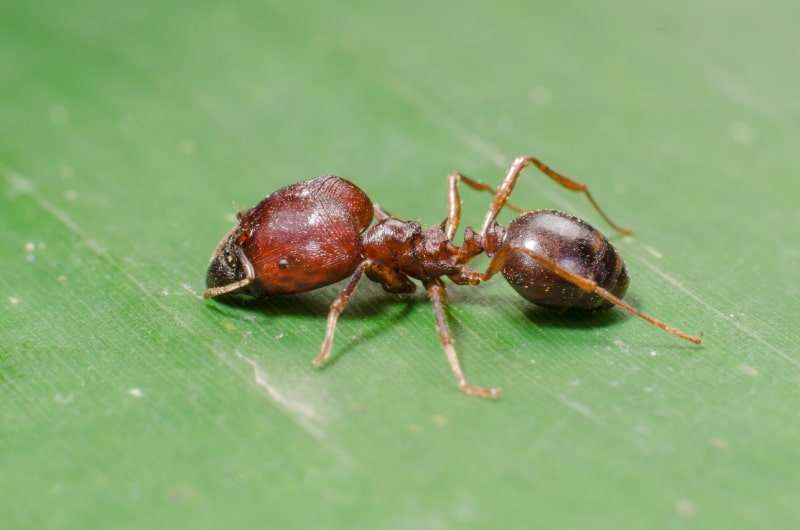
574, 245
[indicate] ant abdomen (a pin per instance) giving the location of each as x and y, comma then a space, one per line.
574, 245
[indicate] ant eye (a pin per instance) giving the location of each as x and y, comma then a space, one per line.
228, 259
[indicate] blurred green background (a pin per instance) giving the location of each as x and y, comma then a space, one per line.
131, 132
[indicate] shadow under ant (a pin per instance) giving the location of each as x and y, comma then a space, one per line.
371, 302
567, 319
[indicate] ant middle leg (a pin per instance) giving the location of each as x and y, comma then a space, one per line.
510, 180
437, 292
499, 261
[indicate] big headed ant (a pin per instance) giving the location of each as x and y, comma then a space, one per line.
319, 231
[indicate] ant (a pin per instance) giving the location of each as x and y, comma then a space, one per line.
317, 232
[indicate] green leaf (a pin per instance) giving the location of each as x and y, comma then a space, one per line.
130, 135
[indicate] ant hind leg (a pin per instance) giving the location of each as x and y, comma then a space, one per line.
499, 261
510, 180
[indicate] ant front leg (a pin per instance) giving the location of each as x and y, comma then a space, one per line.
510, 180
380, 213
454, 201
337, 307
437, 292
499, 261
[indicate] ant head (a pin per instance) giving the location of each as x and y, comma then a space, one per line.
230, 272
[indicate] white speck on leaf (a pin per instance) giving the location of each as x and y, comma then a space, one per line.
623, 347
719, 443
187, 147
63, 400
685, 507
59, 114
540, 95
748, 370
742, 133
188, 289
654, 252
505, 123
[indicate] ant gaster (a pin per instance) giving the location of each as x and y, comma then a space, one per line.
317, 232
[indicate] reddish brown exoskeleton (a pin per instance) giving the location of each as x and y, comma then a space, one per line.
319, 231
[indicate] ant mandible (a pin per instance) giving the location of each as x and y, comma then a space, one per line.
317, 232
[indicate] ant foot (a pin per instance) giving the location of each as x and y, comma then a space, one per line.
480, 392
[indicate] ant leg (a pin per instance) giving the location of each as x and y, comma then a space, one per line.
453, 205
510, 180
499, 260
336, 308
380, 213
454, 201
436, 292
